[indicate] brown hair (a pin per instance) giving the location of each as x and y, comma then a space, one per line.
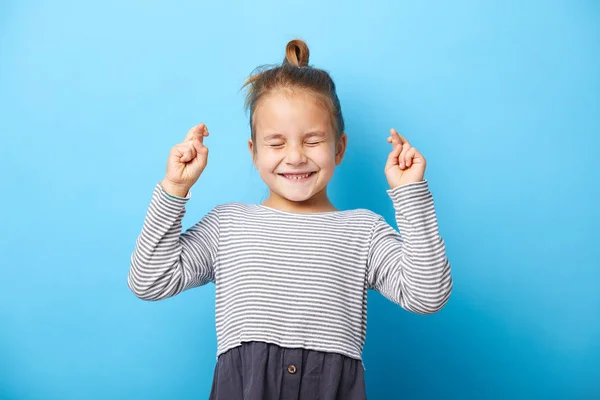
295, 73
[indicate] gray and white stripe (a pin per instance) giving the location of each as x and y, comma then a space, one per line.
295, 280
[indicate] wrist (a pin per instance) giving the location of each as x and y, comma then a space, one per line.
396, 185
174, 189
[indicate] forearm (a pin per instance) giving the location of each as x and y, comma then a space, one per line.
156, 269
425, 269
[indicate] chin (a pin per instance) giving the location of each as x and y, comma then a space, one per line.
301, 199
296, 197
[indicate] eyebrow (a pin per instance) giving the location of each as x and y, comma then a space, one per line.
307, 134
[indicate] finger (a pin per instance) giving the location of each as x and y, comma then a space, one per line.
186, 152
402, 158
201, 156
195, 131
410, 155
197, 143
182, 154
399, 138
202, 134
394, 139
392, 159
185, 155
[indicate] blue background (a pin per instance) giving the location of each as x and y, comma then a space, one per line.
502, 98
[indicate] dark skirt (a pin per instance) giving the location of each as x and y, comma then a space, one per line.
261, 371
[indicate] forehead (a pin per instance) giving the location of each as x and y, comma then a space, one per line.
290, 112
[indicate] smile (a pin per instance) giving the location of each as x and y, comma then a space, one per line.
298, 177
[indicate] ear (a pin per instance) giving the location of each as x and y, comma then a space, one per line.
251, 149
340, 148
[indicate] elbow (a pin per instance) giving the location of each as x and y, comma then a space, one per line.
144, 296
143, 292
441, 299
441, 294
429, 307
149, 286
432, 304
139, 292
437, 306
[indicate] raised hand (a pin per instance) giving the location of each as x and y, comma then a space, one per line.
186, 162
404, 164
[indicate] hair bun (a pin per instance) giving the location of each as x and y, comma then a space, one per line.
296, 53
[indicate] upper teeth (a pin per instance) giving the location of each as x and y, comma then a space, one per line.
297, 176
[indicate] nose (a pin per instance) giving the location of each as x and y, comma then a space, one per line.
295, 155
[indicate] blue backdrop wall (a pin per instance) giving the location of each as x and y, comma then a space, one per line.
502, 97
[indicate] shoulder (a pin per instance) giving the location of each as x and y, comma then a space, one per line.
360, 214
359, 218
235, 208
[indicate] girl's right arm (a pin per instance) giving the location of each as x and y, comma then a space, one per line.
165, 262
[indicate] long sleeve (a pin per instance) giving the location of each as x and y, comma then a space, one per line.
166, 261
410, 268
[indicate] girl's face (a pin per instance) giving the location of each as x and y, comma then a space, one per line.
296, 153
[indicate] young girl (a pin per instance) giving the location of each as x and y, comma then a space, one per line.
292, 273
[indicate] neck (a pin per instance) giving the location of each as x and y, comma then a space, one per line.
318, 203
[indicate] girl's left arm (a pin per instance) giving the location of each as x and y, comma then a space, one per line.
410, 268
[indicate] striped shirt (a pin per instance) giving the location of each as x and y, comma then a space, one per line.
295, 279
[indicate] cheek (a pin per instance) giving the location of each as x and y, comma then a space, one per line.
324, 157
266, 160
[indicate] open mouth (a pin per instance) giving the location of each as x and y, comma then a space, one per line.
298, 177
